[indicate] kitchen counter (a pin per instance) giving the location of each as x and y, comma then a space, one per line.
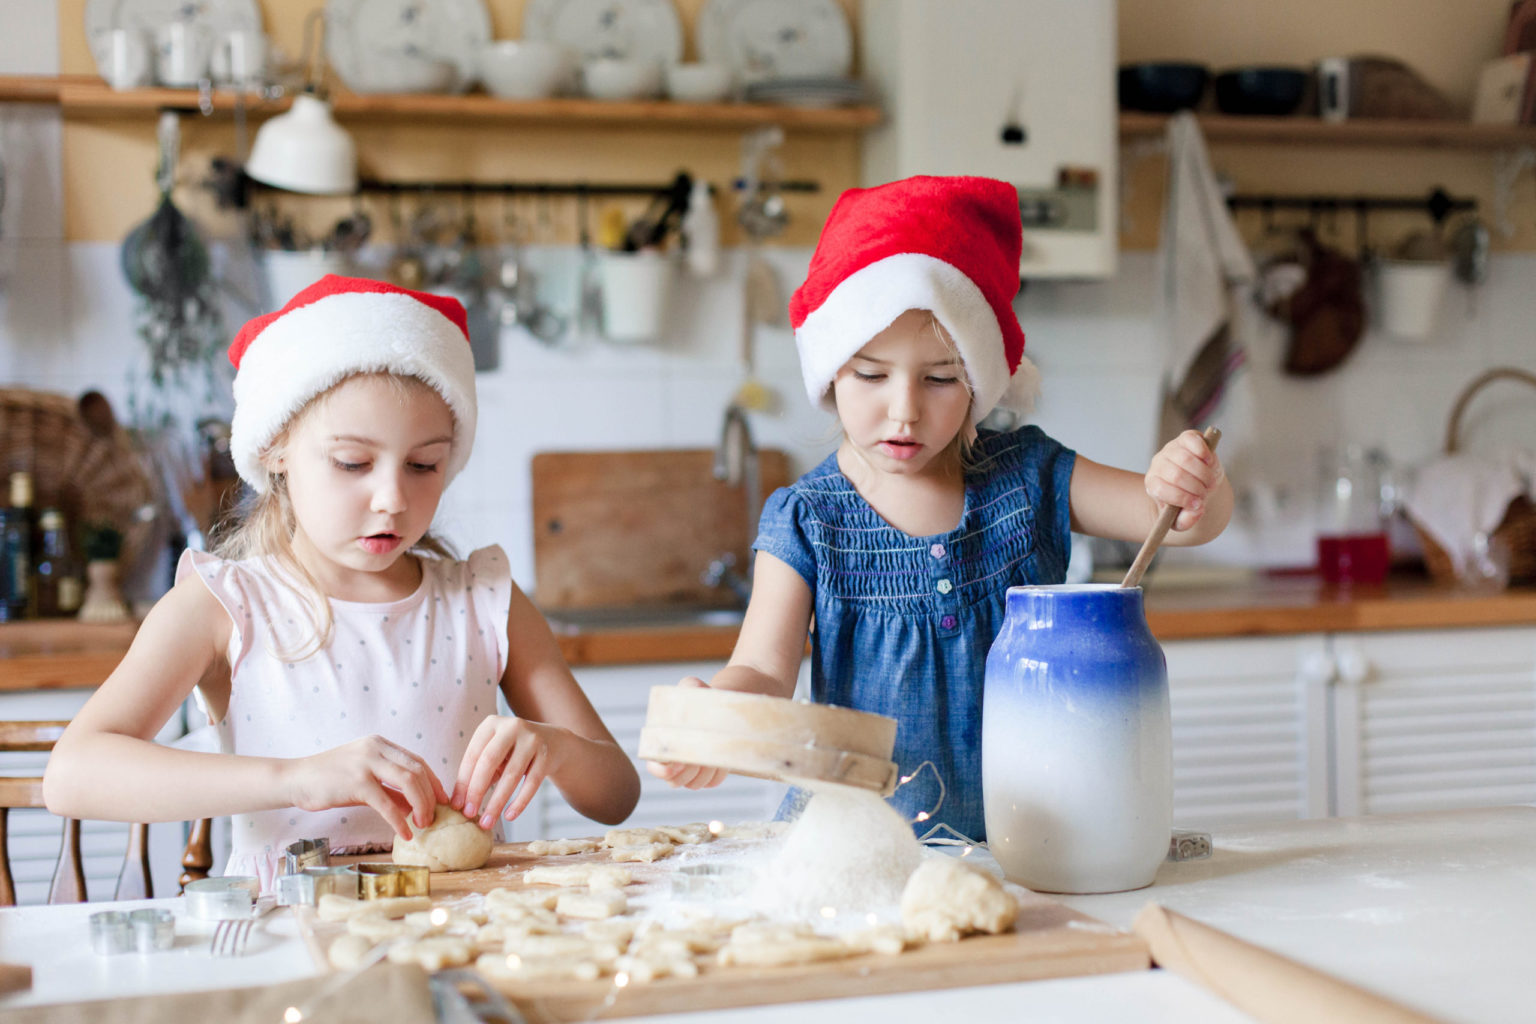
52, 654
1265, 606
1436, 911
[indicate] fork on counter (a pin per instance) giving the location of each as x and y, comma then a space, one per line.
231, 934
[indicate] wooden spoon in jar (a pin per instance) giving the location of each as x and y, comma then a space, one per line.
1161, 527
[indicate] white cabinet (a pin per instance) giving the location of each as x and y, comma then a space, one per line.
619, 693
1250, 739
35, 834
1020, 90
1434, 721
1267, 729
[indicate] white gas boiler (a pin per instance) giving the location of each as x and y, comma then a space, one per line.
1022, 90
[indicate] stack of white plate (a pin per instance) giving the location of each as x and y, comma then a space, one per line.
806, 92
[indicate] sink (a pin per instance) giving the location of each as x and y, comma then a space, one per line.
577, 620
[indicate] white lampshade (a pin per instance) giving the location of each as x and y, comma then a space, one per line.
305, 150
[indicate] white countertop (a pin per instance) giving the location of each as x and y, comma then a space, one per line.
1437, 911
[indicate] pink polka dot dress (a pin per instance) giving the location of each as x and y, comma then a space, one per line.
422, 671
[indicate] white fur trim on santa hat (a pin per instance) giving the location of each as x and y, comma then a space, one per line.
314, 347
870, 299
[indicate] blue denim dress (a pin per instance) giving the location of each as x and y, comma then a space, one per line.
903, 624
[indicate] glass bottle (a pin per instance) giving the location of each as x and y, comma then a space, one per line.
58, 582
1351, 529
16, 530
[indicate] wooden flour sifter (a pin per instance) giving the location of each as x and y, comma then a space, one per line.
770, 737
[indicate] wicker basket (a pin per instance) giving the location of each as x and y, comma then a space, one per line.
94, 477
1517, 531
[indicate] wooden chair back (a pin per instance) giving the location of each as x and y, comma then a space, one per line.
68, 886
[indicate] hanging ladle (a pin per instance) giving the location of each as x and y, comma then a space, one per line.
1161, 527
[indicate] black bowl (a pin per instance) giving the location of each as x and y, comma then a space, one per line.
1262, 92
1161, 88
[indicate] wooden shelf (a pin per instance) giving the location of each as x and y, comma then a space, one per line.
1311, 131
89, 96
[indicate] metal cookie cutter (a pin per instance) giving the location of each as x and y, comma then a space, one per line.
214, 899
707, 881
1187, 844
306, 853
153, 929
306, 887
111, 932
377, 881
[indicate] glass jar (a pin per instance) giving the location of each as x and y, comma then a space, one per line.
1076, 741
1351, 522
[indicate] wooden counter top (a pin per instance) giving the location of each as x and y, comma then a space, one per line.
60, 654
1278, 605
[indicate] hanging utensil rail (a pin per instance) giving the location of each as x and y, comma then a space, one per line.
579, 189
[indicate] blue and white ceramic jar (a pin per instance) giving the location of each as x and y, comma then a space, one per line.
1076, 744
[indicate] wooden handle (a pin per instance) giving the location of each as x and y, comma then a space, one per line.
1161, 527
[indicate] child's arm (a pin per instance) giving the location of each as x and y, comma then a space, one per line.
556, 734
1120, 505
766, 658
107, 766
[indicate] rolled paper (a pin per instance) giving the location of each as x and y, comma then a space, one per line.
1270, 987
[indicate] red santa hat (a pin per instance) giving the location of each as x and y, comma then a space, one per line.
332, 330
949, 245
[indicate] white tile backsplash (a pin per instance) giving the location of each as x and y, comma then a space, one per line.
67, 323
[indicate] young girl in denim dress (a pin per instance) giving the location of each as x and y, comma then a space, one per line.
900, 547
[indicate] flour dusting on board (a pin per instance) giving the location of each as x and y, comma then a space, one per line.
850, 852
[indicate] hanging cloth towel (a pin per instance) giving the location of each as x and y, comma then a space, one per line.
1204, 264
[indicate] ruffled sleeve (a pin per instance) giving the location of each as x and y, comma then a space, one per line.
782, 532
229, 586
488, 575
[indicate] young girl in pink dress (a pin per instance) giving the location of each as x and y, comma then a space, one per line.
349, 663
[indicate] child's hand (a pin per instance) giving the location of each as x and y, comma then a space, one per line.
504, 751
687, 776
1184, 473
371, 771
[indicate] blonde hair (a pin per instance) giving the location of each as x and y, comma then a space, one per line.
265, 524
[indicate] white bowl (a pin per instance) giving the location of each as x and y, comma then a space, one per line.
524, 69
405, 74
698, 83
610, 78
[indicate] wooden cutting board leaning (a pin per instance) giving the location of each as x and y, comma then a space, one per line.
626, 529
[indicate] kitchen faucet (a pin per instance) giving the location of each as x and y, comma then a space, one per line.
736, 466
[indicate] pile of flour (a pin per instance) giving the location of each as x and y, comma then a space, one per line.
849, 853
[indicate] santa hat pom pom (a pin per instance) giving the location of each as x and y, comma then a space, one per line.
1023, 389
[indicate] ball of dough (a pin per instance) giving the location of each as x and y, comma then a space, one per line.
945, 899
451, 843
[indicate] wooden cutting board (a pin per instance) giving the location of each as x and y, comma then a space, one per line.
619, 529
1050, 940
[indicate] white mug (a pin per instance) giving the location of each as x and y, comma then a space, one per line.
181, 54
1333, 88
128, 59
240, 59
